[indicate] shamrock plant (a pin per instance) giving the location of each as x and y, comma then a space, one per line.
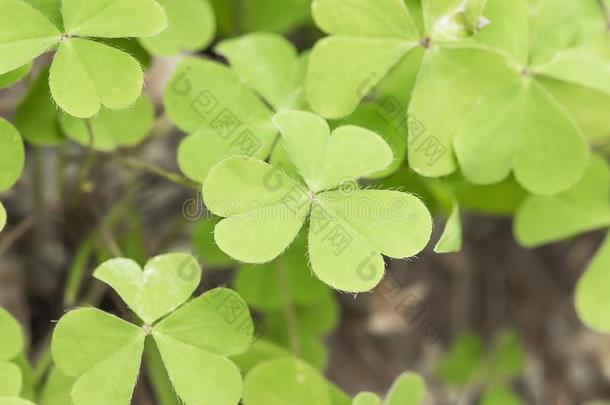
85, 74
12, 159
226, 111
12, 339
265, 207
193, 338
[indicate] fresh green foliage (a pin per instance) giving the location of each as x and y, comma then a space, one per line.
9, 78
500, 396
11, 345
451, 239
366, 398
193, 339
261, 223
592, 291
84, 74
12, 159
586, 206
191, 26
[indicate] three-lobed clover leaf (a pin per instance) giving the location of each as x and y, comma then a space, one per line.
369, 39
12, 160
349, 230
84, 74
224, 110
191, 27
193, 338
11, 345
522, 127
408, 389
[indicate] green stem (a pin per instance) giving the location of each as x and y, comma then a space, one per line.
158, 171
85, 167
290, 315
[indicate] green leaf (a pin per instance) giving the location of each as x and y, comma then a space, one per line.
191, 27
109, 350
373, 222
87, 74
166, 282
463, 360
450, 82
12, 340
12, 155
10, 379
15, 401
218, 380
500, 396
591, 297
525, 120
194, 340
202, 235
366, 398
451, 239
2, 217
285, 381
249, 194
584, 207
112, 129
580, 67
57, 388
408, 389
269, 64
260, 286
50, 9
343, 69
113, 18
361, 51
36, 115
499, 199
218, 321
261, 15
12, 77
383, 18
226, 118
24, 34
326, 161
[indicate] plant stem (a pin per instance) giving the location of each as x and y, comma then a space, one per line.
158, 171
85, 166
288, 307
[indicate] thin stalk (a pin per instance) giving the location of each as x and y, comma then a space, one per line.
290, 315
159, 171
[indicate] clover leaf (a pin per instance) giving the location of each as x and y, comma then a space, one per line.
9, 78
285, 381
12, 160
363, 48
586, 206
11, 345
451, 238
194, 339
591, 297
14, 401
191, 27
222, 116
527, 117
84, 74
225, 110
265, 208
408, 389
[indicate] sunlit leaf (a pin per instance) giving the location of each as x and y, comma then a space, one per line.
12, 77
12, 155
57, 389
113, 18
86, 75
451, 239
285, 381
408, 389
162, 286
24, 34
366, 398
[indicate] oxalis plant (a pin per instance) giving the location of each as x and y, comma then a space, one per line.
319, 166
